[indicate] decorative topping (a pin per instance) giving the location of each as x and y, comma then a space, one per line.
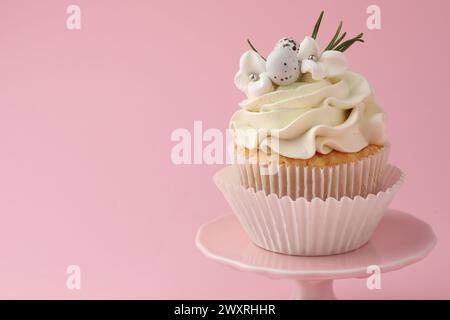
289, 60
254, 49
288, 42
335, 42
321, 65
283, 66
251, 77
314, 115
317, 26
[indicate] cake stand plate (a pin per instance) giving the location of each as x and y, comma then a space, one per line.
399, 240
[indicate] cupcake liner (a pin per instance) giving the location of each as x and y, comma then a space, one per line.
351, 179
308, 228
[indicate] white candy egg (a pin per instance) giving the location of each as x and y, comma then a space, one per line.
282, 66
289, 43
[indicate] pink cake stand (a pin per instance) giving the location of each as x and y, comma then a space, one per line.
399, 240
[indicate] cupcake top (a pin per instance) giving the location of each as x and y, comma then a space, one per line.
301, 100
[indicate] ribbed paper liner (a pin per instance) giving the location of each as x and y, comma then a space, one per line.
361, 177
308, 228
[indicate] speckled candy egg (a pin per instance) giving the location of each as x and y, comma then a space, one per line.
282, 66
289, 43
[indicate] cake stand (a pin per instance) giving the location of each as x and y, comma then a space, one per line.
400, 240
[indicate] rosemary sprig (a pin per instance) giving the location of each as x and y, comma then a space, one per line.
254, 49
348, 43
338, 41
317, 26
333, 40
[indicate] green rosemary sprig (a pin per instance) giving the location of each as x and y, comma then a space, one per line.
317, 26
254, 49
348, 43
338, 41
335, 37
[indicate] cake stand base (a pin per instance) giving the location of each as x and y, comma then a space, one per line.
313, 290
400, 240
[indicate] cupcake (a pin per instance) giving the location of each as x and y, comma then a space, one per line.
309, 127
310, 174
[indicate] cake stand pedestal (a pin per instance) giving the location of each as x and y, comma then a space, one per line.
400, 240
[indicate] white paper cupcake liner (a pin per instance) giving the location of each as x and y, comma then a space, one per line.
361, 178
308, 228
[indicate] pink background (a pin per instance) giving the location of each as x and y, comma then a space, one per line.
85, 123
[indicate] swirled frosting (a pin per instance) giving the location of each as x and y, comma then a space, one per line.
306, 117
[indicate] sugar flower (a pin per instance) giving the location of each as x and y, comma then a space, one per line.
329, 63
251, 77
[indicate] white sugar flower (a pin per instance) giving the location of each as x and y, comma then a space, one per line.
251, 77
329, 63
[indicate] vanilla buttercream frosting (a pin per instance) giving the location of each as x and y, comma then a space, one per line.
309, 116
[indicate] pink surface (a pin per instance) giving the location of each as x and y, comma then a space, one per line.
85, 124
